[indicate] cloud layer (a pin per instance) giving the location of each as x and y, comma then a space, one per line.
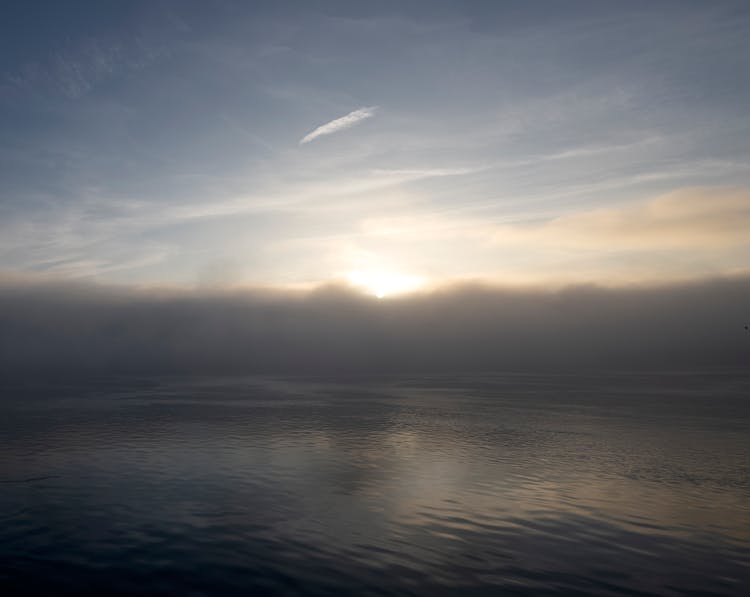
340, 124
71, 328
692, 219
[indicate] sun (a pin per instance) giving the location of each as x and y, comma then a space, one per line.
383, 284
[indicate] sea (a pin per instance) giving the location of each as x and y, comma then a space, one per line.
517, 484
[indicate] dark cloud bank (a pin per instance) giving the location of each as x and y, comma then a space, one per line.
50, 328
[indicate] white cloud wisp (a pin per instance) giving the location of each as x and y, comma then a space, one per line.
339, 124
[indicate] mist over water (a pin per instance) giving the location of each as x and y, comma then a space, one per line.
54, 328
438, 297
598, 484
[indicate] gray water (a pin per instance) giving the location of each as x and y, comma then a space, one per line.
510, 484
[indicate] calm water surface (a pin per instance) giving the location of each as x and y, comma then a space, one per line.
631, 484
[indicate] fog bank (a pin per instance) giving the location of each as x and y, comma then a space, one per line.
48, 327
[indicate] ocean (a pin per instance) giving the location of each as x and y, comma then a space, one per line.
616, 484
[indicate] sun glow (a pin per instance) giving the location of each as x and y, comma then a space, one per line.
383, 284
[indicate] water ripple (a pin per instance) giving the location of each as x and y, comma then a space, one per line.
410, 486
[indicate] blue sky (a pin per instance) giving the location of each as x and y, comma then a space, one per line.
390, 145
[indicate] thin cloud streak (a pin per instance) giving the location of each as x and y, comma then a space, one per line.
340, 124
689, 219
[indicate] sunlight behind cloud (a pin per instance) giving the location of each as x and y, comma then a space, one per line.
384, 284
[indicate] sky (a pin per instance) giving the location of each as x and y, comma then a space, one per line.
392, 146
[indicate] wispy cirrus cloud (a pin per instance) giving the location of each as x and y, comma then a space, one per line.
696, 220
339, 124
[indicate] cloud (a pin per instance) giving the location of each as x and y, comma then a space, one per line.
48, 327
339, 124
691, 219
77, 68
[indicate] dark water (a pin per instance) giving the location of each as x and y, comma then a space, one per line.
439, 485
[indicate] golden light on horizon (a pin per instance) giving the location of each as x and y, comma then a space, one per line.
383, 284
